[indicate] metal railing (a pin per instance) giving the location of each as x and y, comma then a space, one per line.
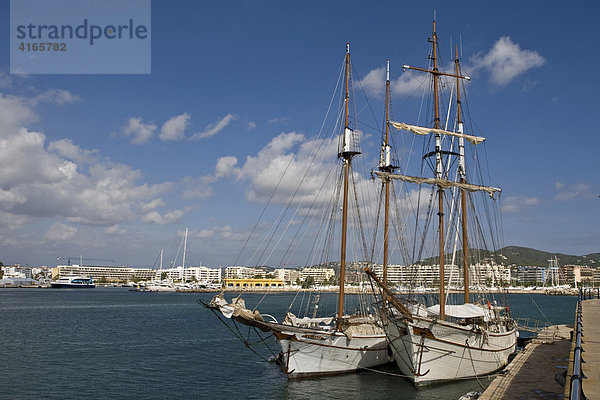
576, 388
590, 293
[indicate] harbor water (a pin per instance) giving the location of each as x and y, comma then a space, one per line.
113, 343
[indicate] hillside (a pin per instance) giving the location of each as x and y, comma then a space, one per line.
526, 256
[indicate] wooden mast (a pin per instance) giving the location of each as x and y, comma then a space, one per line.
386, 165
438, 174
438, 164
347, 151
462, 172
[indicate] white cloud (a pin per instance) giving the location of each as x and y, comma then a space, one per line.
517, 203
202, 234
60, 232
170, 217
408, 83
14, 114
225, 166
213, 129
374, 82
174, 128
54, 96
114, 230
281, 120
139, 131
506, 60
153, 204
250, 126
63, 180
197, 188
570, 192
65, 148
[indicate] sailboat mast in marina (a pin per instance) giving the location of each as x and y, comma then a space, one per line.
332, 344
445, 342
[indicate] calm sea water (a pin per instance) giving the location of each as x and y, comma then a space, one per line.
111, 343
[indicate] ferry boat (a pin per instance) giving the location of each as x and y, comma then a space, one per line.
68, 282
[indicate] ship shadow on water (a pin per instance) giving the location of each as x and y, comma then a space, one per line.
384, 383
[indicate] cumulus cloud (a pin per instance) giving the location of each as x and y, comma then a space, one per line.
174, 128
138, 131
201, 234
506, 60
289, 170
213, 129
60, 232
408, 83
61, 179
570, 192
512, 204
65, 148
54, 96
154, 217
374, 82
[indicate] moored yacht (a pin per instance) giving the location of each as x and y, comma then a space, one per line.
68, 282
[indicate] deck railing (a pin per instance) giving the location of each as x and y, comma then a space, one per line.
576, 388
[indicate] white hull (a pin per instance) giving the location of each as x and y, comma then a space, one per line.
429, 351
307, 353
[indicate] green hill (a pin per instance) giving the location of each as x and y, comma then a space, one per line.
525, 256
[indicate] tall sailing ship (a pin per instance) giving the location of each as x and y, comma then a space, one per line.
442, 342
341, 343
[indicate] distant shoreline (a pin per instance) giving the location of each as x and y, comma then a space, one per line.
349, 290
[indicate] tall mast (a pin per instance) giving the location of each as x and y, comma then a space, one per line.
184, 251
463, 179
438, 174
385, 165
346, 152
438, 160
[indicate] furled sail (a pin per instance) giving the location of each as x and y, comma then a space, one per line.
444, 183
419, 130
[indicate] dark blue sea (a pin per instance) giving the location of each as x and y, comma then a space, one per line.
111, 343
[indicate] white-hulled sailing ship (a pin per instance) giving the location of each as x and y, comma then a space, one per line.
443, 342
313, 346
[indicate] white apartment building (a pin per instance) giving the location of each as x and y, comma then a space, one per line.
243, 272
318, 274
114, 274
200, 274
429, 275
286, 274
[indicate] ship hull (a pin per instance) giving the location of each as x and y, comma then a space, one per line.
429, 351
72, 286
306, 353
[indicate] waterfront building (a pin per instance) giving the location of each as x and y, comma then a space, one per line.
428, 275
100, 273
17, 271
319, 275
236, 272
200, 274
287, 274
253, 283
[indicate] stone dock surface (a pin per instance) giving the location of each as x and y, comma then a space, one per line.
534, 372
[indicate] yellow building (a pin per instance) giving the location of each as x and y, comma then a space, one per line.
253, 283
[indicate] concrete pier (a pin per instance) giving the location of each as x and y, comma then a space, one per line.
534, 372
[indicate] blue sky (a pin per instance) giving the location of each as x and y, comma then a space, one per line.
116, 166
